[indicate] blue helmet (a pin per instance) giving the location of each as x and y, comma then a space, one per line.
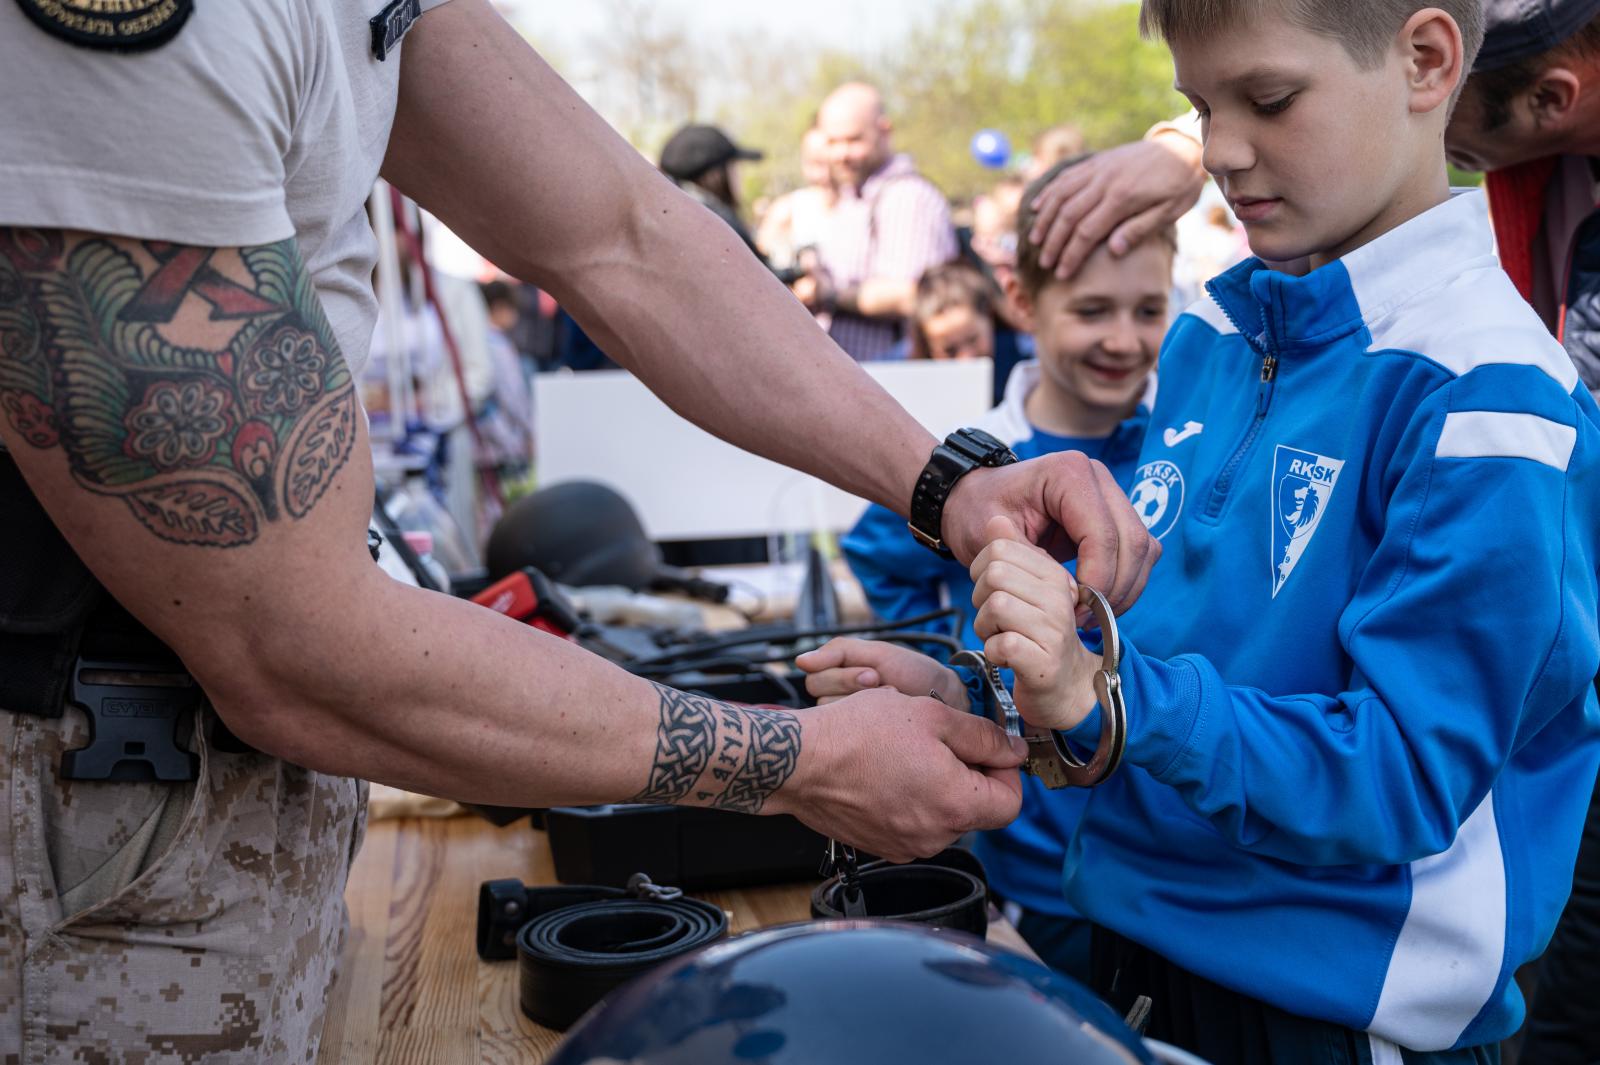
855, 991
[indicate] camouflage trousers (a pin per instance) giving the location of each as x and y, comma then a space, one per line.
146, 924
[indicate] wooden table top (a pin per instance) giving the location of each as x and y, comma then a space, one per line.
411, 990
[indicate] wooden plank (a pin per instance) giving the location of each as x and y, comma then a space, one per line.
411, 990
350, 1032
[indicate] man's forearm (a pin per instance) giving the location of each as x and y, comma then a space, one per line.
883, 297
877, 297
491, 140
442, 696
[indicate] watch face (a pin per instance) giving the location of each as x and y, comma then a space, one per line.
980, 447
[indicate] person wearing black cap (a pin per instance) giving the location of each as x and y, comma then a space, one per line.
1530, 116
701, 160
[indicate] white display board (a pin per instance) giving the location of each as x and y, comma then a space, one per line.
688, 485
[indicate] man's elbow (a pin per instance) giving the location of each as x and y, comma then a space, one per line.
273, 717
274, 699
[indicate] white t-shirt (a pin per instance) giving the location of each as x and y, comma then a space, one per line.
258, 121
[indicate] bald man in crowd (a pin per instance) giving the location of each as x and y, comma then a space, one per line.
889, 226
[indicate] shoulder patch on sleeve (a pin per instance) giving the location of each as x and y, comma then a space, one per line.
1477, 320
1484, 434
1205, 308
126, 26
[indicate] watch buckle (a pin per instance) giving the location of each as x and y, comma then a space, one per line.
932, 543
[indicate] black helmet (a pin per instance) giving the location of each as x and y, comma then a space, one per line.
849, 992
579, 532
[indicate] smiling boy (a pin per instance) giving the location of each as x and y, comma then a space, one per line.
1096, 336
1361, 728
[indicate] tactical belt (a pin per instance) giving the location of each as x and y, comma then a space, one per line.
63, 639
949, 890
577, 944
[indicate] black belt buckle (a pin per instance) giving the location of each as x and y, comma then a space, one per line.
134, 709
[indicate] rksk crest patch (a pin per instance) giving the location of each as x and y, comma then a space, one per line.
1302, 484
112, 25
1157, 496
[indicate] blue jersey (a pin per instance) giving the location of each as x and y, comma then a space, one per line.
901, 579
1362, 728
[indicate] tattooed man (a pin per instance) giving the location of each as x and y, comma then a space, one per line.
184, 296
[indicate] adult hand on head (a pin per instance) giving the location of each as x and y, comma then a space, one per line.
1067, 504
1117, 197
902, 777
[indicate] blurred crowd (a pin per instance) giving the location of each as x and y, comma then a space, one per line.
888, 264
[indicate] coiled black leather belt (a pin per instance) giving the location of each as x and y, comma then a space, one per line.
949, 890
576, 944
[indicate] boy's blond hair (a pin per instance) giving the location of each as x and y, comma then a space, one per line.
1364, 27
1032, 276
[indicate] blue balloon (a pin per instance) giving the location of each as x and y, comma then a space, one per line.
991, 148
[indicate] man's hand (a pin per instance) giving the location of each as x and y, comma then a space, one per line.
807, 290
900, 777
1027, 603
1120, 195
1069, 505
844, 666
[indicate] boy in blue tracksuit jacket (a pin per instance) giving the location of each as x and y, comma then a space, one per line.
1362, 730
1097, 336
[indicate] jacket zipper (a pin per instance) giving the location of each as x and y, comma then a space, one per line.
1264, 390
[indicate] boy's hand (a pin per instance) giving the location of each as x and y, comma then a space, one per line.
1027, 617
844, 666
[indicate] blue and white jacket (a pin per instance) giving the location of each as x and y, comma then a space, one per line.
901, 579
1362, 728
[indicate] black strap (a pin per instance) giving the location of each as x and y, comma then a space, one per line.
949, 890
46, 595
575, 944
63, 638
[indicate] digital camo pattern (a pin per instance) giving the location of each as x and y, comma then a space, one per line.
204, 445
216, 946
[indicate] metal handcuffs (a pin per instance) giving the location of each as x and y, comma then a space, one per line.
1049, 756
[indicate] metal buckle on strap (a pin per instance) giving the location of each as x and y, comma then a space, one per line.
841, 861
1050, 758
133, 709
641, 885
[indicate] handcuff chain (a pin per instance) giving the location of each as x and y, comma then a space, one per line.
840, 860
1050, 758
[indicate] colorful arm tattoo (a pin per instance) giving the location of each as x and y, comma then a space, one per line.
203, 444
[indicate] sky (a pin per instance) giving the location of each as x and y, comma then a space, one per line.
845, 24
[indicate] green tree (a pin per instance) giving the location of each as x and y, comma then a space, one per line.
1019, 66
1022, 66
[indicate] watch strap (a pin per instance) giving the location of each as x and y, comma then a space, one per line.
962, 452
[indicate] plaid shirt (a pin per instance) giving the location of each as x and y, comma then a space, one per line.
896, 228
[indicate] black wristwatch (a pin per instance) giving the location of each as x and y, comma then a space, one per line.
962, 452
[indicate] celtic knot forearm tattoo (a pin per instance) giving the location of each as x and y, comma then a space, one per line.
714, 753
203, 444
769, 758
